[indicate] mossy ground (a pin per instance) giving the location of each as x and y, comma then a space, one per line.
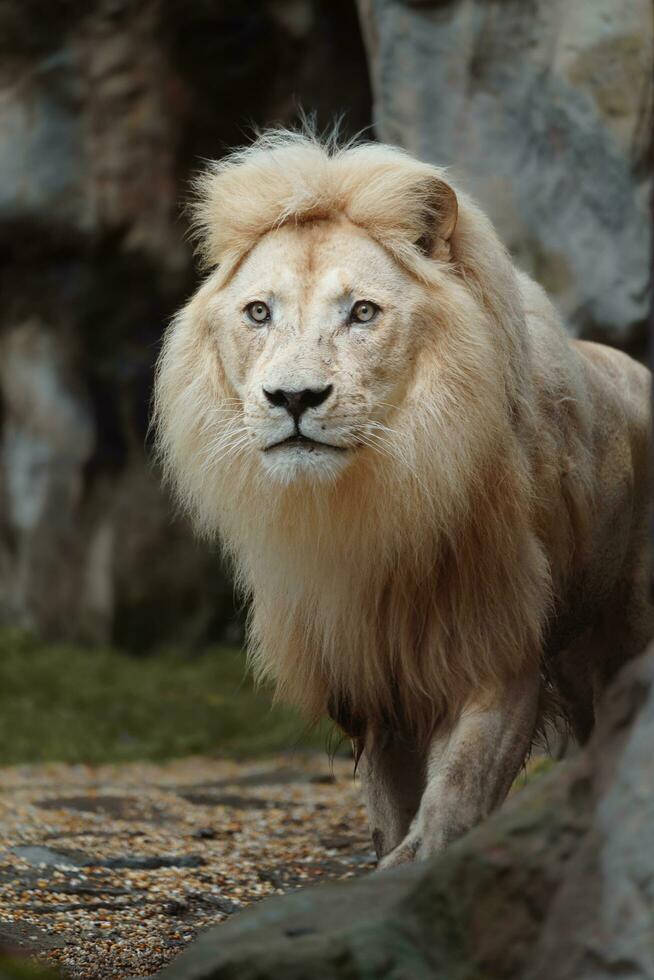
69, 704
12, 969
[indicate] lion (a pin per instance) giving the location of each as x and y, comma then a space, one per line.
435, 499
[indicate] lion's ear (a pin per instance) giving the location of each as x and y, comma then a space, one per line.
440, 217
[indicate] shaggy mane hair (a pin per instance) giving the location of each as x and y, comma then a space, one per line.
419, 578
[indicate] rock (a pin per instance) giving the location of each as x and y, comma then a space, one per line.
128, 808
106, 108
413, 922
42, 136
544, 112
224, 905
48, 439
205, 833
175, 908
147, 862
556, 885
232, 800
600, 924
46, 857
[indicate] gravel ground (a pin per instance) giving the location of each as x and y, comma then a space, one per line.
111, 871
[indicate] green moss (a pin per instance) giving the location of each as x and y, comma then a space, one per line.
12, 969
63, 703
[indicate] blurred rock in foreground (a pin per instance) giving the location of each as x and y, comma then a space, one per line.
543, 108
106, 107
557, 886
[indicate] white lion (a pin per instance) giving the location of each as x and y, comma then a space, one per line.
436, 500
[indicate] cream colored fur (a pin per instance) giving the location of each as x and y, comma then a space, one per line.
430, 559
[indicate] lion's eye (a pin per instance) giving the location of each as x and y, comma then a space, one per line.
258, 312
363, 312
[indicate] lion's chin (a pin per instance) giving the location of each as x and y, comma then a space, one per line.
293, 462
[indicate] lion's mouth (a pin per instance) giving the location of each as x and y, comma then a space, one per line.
303, 442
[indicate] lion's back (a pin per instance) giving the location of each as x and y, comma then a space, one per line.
619, 376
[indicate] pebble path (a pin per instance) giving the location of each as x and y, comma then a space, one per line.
109, 872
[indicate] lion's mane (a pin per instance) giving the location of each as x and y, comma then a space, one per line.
420, 575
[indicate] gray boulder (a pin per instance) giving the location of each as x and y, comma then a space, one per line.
557, 885
543, 109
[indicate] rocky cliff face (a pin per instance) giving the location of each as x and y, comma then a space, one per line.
105, 109
543, 108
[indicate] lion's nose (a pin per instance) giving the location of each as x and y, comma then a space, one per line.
297, 402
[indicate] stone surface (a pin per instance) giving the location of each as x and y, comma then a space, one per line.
556, 886
110, 871
600, 925
106, 108
477, 909
543, 110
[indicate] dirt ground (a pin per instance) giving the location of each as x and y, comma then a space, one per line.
109, 872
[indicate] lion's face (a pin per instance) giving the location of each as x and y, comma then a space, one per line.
318, 331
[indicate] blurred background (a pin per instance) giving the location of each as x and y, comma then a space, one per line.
543, 110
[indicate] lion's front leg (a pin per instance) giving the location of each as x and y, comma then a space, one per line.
470, 769
392, 771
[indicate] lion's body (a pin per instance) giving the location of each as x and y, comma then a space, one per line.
594, 418
603, 615
489, 522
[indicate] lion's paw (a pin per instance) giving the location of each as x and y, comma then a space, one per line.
404, 853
